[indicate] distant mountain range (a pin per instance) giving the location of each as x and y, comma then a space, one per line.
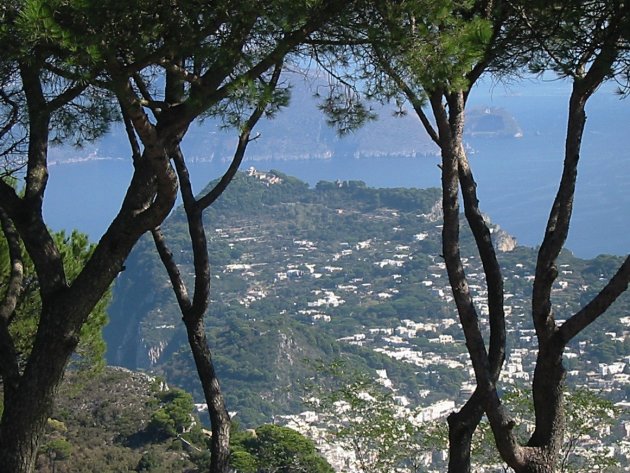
300, 132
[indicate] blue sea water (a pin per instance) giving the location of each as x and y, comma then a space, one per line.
517, 177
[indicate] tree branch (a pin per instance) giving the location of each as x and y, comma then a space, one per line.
598, 305
156, 106
194, 312
134, 112
542, 43
491, 267
136, 154
559, 219
181, 72
39, 118
327, 10
194, 208
166, 255
450, 128
9, 366
66, 96
414, 99
26, 213
231, 55
487, 365
207, 200
14, 285
194, 217
12, 117
494, 12
11, 202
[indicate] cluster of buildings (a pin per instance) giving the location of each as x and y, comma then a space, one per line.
317, 279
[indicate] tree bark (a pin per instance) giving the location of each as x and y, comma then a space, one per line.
461, 427
219, 416
197, 340
28, 405
150, 197
456, 172
28, 400
540, 454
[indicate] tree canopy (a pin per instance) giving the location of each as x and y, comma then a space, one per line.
67, 69
272, 448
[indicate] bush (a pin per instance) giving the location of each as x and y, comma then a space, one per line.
174, 415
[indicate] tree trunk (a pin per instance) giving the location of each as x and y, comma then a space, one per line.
29, 397
28, 405
487, 364
219, 417
548, 392
194, 310
538, 460
18, 441
541, 453
461, 427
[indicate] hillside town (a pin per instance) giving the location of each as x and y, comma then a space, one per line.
322, 273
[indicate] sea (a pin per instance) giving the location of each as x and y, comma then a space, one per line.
517, 177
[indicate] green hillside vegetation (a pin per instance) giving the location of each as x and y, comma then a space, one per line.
119, 420
275, 448
299, 271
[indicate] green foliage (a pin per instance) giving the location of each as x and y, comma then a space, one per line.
242, 461
149, 462
28, 33
174, 416
271, 448
58, 449
589, 416
97, 41
56, 425
90, 353
104, 418
259, 345
446, 42
568, 30
75, 251
345, 111
429, 46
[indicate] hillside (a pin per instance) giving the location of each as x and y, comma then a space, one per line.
340, 270
102, 424
123, 421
